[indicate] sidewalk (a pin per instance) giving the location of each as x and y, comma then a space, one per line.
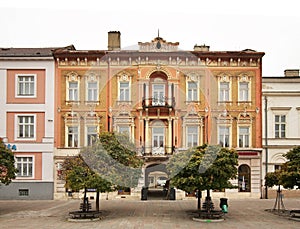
123, 213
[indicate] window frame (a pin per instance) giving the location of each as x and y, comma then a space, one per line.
242, 92
95, 92
87, 143
17, 127
73, 141
32, 166
280, 123
17, 85
229, 136
193, 136
249, 137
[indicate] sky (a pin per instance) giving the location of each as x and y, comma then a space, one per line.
272, 27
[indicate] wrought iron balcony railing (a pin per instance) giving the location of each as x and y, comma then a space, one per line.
153, 102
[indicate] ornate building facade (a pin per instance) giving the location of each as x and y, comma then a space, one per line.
165, 99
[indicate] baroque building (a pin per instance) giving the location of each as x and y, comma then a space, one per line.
165, 99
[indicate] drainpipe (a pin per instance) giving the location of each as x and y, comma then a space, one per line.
266, 142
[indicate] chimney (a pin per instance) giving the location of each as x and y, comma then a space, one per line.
291, 73
114, 41
201, 48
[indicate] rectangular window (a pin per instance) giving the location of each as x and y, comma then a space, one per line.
192, 91
72, 136
25, 126
224, 91
26, 85
124, 91
124, 129
73, 91
91, 135
192, 136
23, 192
224, 136
92, 91
277, 167
244, 137
243, 91
24, 166
280, 126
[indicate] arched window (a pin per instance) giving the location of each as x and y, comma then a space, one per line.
244, 176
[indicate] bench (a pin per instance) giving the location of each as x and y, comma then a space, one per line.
85, 207
295, 213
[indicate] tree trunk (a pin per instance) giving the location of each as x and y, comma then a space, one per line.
97, 201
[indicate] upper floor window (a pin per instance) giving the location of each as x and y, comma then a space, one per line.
192, 89
224, 133
24, 166
224, 91
92, 91
244, 137
26, 85
124, 91
91, 135
124, 84
280, 126
243, 91
72, 136
192, 136
73, 91
25, 126
124, 129
72, 87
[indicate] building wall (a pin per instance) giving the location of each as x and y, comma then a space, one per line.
40, 148
139, 68
280, 97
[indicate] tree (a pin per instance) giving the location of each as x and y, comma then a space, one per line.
114, 158
288, 176
78, 175
203, 168
7, 164
108, 164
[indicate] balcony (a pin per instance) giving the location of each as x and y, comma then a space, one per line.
161, 102
156, 152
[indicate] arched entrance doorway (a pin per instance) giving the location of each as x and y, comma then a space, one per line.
244, 174
156, 180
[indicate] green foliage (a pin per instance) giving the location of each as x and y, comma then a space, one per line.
7, 165
289, 174
109, 164
78, 176
203, 168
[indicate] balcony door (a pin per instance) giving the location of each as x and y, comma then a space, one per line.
158, 95
158, 140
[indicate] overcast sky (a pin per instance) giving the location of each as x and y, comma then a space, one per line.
272, 27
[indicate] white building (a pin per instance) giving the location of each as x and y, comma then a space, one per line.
27, 119
281, 118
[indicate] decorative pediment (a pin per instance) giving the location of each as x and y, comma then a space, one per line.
158, 44
72, 76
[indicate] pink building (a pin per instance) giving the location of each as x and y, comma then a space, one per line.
27, 119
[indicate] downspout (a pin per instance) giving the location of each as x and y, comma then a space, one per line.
266, 142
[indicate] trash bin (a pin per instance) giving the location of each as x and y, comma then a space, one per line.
144, 193
224, 205
172, 194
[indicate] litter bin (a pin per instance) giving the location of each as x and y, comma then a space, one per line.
144, 193
224, 205
172, 194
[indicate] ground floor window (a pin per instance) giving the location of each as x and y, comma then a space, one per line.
24, 166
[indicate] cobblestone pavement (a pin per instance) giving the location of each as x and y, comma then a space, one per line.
125, 213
